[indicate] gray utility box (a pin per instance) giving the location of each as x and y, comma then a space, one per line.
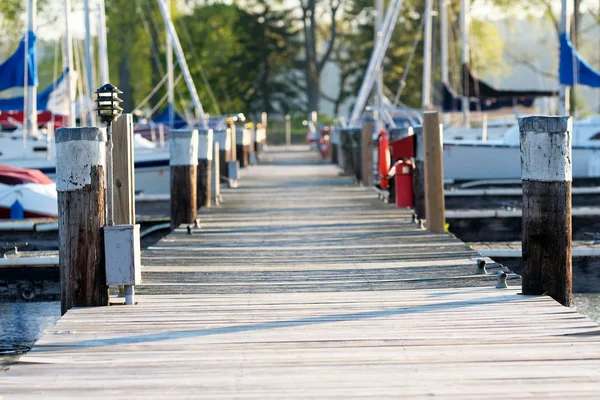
123, 255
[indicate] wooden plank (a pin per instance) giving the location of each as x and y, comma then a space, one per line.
291, 289
123, 177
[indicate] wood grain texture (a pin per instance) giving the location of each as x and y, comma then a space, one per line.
204, 183
419, 188
303, 285
123, 176
81, 245
367, 154
547, 240
434, 172
184, 203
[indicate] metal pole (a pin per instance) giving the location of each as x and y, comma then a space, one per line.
376, 60
182, 63
426, 93
102, 43
109, 173
444, 40
564, 91
464, 27
31, 86
379, 97
170, 74
88, 58
68, 64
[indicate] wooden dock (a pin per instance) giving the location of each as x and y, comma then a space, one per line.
302, 285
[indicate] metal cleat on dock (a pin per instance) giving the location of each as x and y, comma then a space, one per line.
501, 284
481, 267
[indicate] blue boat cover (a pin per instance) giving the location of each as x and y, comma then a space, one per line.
163, 118
17, 103
573, 69
12, 71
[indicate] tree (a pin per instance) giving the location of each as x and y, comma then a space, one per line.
312, 64
129, 50
245, 55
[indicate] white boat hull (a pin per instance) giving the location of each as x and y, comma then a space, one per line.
468, 162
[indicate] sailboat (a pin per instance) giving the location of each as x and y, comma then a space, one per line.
30, 148
499, 160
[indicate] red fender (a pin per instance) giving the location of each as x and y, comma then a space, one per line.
385, 159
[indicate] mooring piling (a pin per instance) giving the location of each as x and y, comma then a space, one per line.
367, 154
183, 161
546, 173
419, 173
434, 172
216, 172
80, 165
204, 169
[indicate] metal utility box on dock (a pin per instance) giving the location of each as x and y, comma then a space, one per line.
123, 255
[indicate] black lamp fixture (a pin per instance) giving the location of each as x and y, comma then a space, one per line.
107, 100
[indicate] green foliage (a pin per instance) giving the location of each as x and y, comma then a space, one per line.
129, 51
245, 55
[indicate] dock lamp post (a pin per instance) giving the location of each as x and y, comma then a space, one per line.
121, 242
107, 99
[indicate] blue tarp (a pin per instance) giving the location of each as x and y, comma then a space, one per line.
17, 103
12, 71
573, 69
163, 118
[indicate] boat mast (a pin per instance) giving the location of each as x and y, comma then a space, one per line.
88, 59
103, 50
564, 93
30, 122
444, 41
444, 47
182, 63
464, 27
426, 93
68, 65
376, 60
170, 75
378, 115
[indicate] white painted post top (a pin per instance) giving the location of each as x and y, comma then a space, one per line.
546, 148
183, 147
78, 150
224, 139
205, 144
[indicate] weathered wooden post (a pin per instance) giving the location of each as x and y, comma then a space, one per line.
242, 147
224, 140
288, 130
80, 164
419, 174
183, 161
335, 145
434, 172
123, 172
546, 173
251, 152
204, 170
216, 181
232, 165
367, 154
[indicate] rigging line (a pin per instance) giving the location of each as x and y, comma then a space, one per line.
163, 99
152, 92
152, 43
202, 71
402, 82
